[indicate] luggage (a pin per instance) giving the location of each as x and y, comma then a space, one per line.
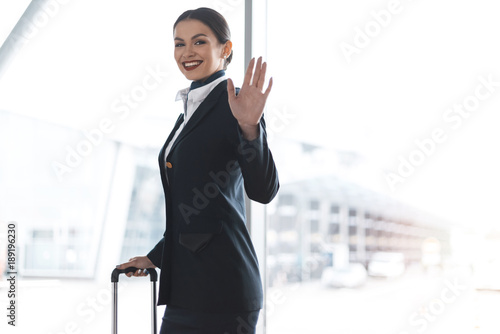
114, 279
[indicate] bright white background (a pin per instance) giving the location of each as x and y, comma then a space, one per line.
393, 92
396, 91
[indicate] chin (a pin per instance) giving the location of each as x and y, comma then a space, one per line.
191, 76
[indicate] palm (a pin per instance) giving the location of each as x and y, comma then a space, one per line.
248, 106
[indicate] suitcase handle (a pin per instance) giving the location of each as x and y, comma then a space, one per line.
114, 279
116, 273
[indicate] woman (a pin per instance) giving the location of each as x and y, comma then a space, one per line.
210, 278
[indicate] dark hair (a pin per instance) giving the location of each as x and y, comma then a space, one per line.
212, 19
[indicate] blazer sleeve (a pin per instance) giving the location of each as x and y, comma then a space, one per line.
257, 166
156, 254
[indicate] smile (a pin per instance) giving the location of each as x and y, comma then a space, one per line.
189, 66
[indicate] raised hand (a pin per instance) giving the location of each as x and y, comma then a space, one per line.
248, 106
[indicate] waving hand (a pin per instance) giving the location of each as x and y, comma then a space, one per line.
248, 106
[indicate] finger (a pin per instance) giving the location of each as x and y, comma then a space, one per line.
231, 91
268, 90
123, 266
256, 76
262, 78
131, 263
126, 264
248, 75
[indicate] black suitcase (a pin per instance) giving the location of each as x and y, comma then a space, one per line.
114, 279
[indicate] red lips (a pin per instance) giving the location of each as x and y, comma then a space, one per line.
191, 65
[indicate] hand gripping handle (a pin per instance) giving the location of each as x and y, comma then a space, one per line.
153, 275
114, 279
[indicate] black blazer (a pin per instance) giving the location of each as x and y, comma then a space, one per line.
206, 256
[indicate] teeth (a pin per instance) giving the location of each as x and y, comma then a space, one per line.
194, 63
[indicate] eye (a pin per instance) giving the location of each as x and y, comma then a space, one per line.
177, 45
199, 42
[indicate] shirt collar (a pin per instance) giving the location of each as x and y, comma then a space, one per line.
202, 89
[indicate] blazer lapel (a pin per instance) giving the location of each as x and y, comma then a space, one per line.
201, 112
161, 159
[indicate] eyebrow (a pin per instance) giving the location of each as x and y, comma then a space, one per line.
194, 37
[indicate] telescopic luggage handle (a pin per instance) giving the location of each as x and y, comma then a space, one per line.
116, 273
153, 275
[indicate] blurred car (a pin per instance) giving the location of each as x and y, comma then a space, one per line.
348, 276
386, 264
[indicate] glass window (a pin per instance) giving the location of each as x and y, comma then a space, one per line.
348, 107
314, 205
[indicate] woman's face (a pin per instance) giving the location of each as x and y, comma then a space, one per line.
197, 51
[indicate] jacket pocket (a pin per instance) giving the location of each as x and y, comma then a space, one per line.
197, 236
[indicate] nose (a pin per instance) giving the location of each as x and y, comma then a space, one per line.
188, 52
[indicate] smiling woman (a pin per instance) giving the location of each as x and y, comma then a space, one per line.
197, 48
201, 45
210, 278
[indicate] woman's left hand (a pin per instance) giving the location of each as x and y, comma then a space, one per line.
248, 106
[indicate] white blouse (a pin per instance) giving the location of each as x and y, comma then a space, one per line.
192, 100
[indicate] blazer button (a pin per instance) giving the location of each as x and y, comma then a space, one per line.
169, 165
